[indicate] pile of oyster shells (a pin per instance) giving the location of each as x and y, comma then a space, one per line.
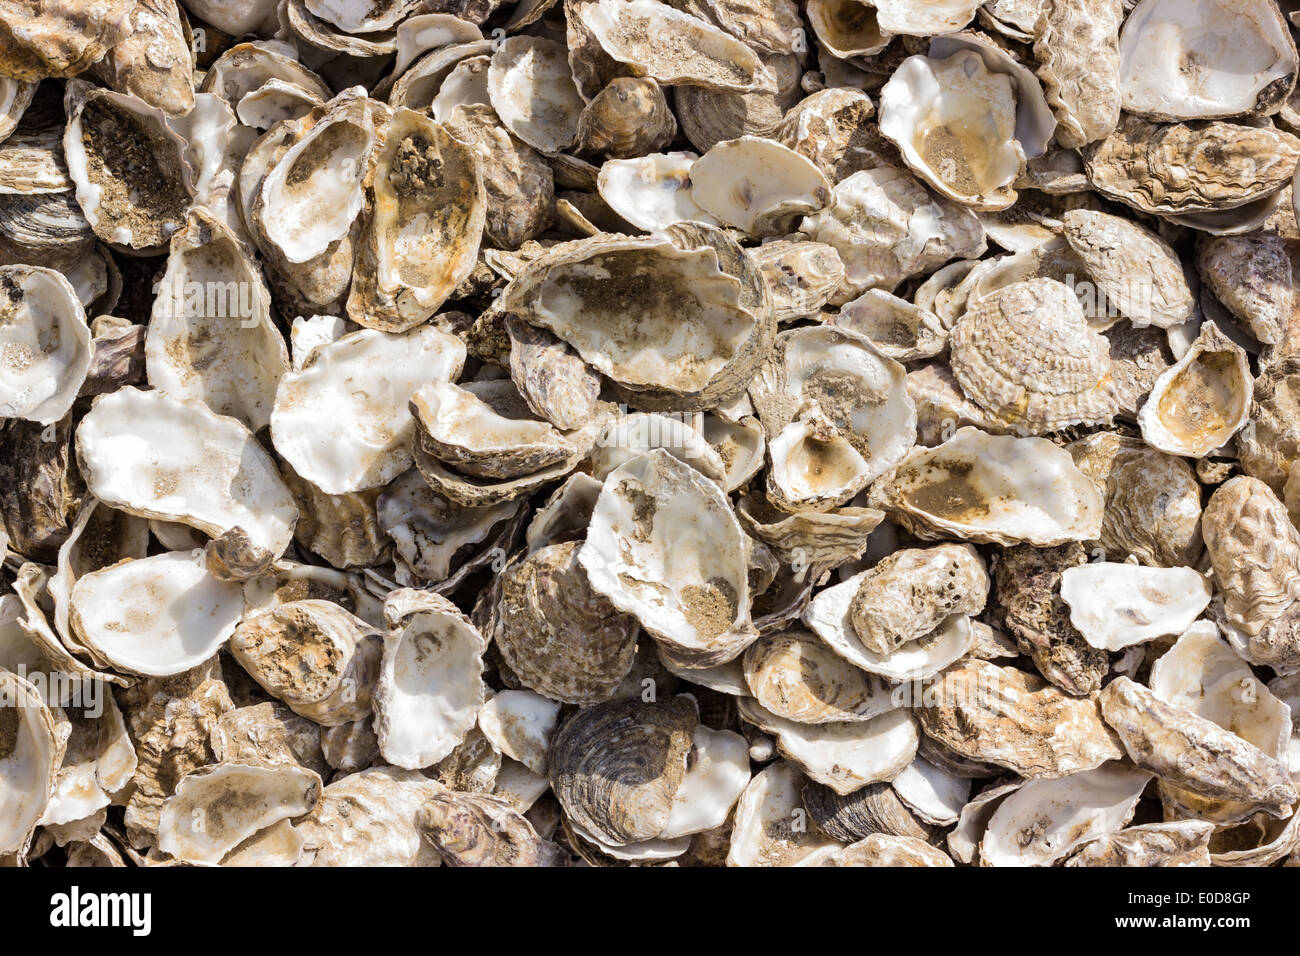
629, 432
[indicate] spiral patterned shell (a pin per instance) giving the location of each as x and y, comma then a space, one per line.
1025, 355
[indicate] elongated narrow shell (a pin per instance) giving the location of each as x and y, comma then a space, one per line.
1046, 820
315, 656
1251, 275
1201, 402
1116, 606
1026, 355
45, 349
216, 808
981, 488
665, 546
797, 677
616, 767
1206, 59
211, 338
430, 681
159, 457
473, 829
1077, 45
343, 422
129, 169
31, 750
954, 121
1181, 843
656, 40
1255, 551
1195, 753
757, 185
158, 616
1137, 271
1004, 716
428, 206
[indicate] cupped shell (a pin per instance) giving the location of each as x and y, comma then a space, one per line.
45, 349
430, 680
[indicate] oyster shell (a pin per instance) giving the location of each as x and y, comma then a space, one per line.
1181, 843
1251, 275
1004, 716
1078, 49
211, 338
362, 384
532, 91
757, 185
1198, 404
797, 677
954, 122
1207, 59
427, 211
31, 751
45, 350
430, 684
1255, 552
1115, 606
975, 486
770, 827
158, 457
1047, 820
630, 117
664, 545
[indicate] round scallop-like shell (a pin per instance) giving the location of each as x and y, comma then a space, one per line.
1202, 401
556, 633
1026, 355
616, 767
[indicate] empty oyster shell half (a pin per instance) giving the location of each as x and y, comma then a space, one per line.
342, 422
795, 676
1206, 59
665, 546
532, 91
757, 185
430, 680
31, 750
1202, 401
954, 122
1115, 606
982, 488
157, 616
45, 349
158, 457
